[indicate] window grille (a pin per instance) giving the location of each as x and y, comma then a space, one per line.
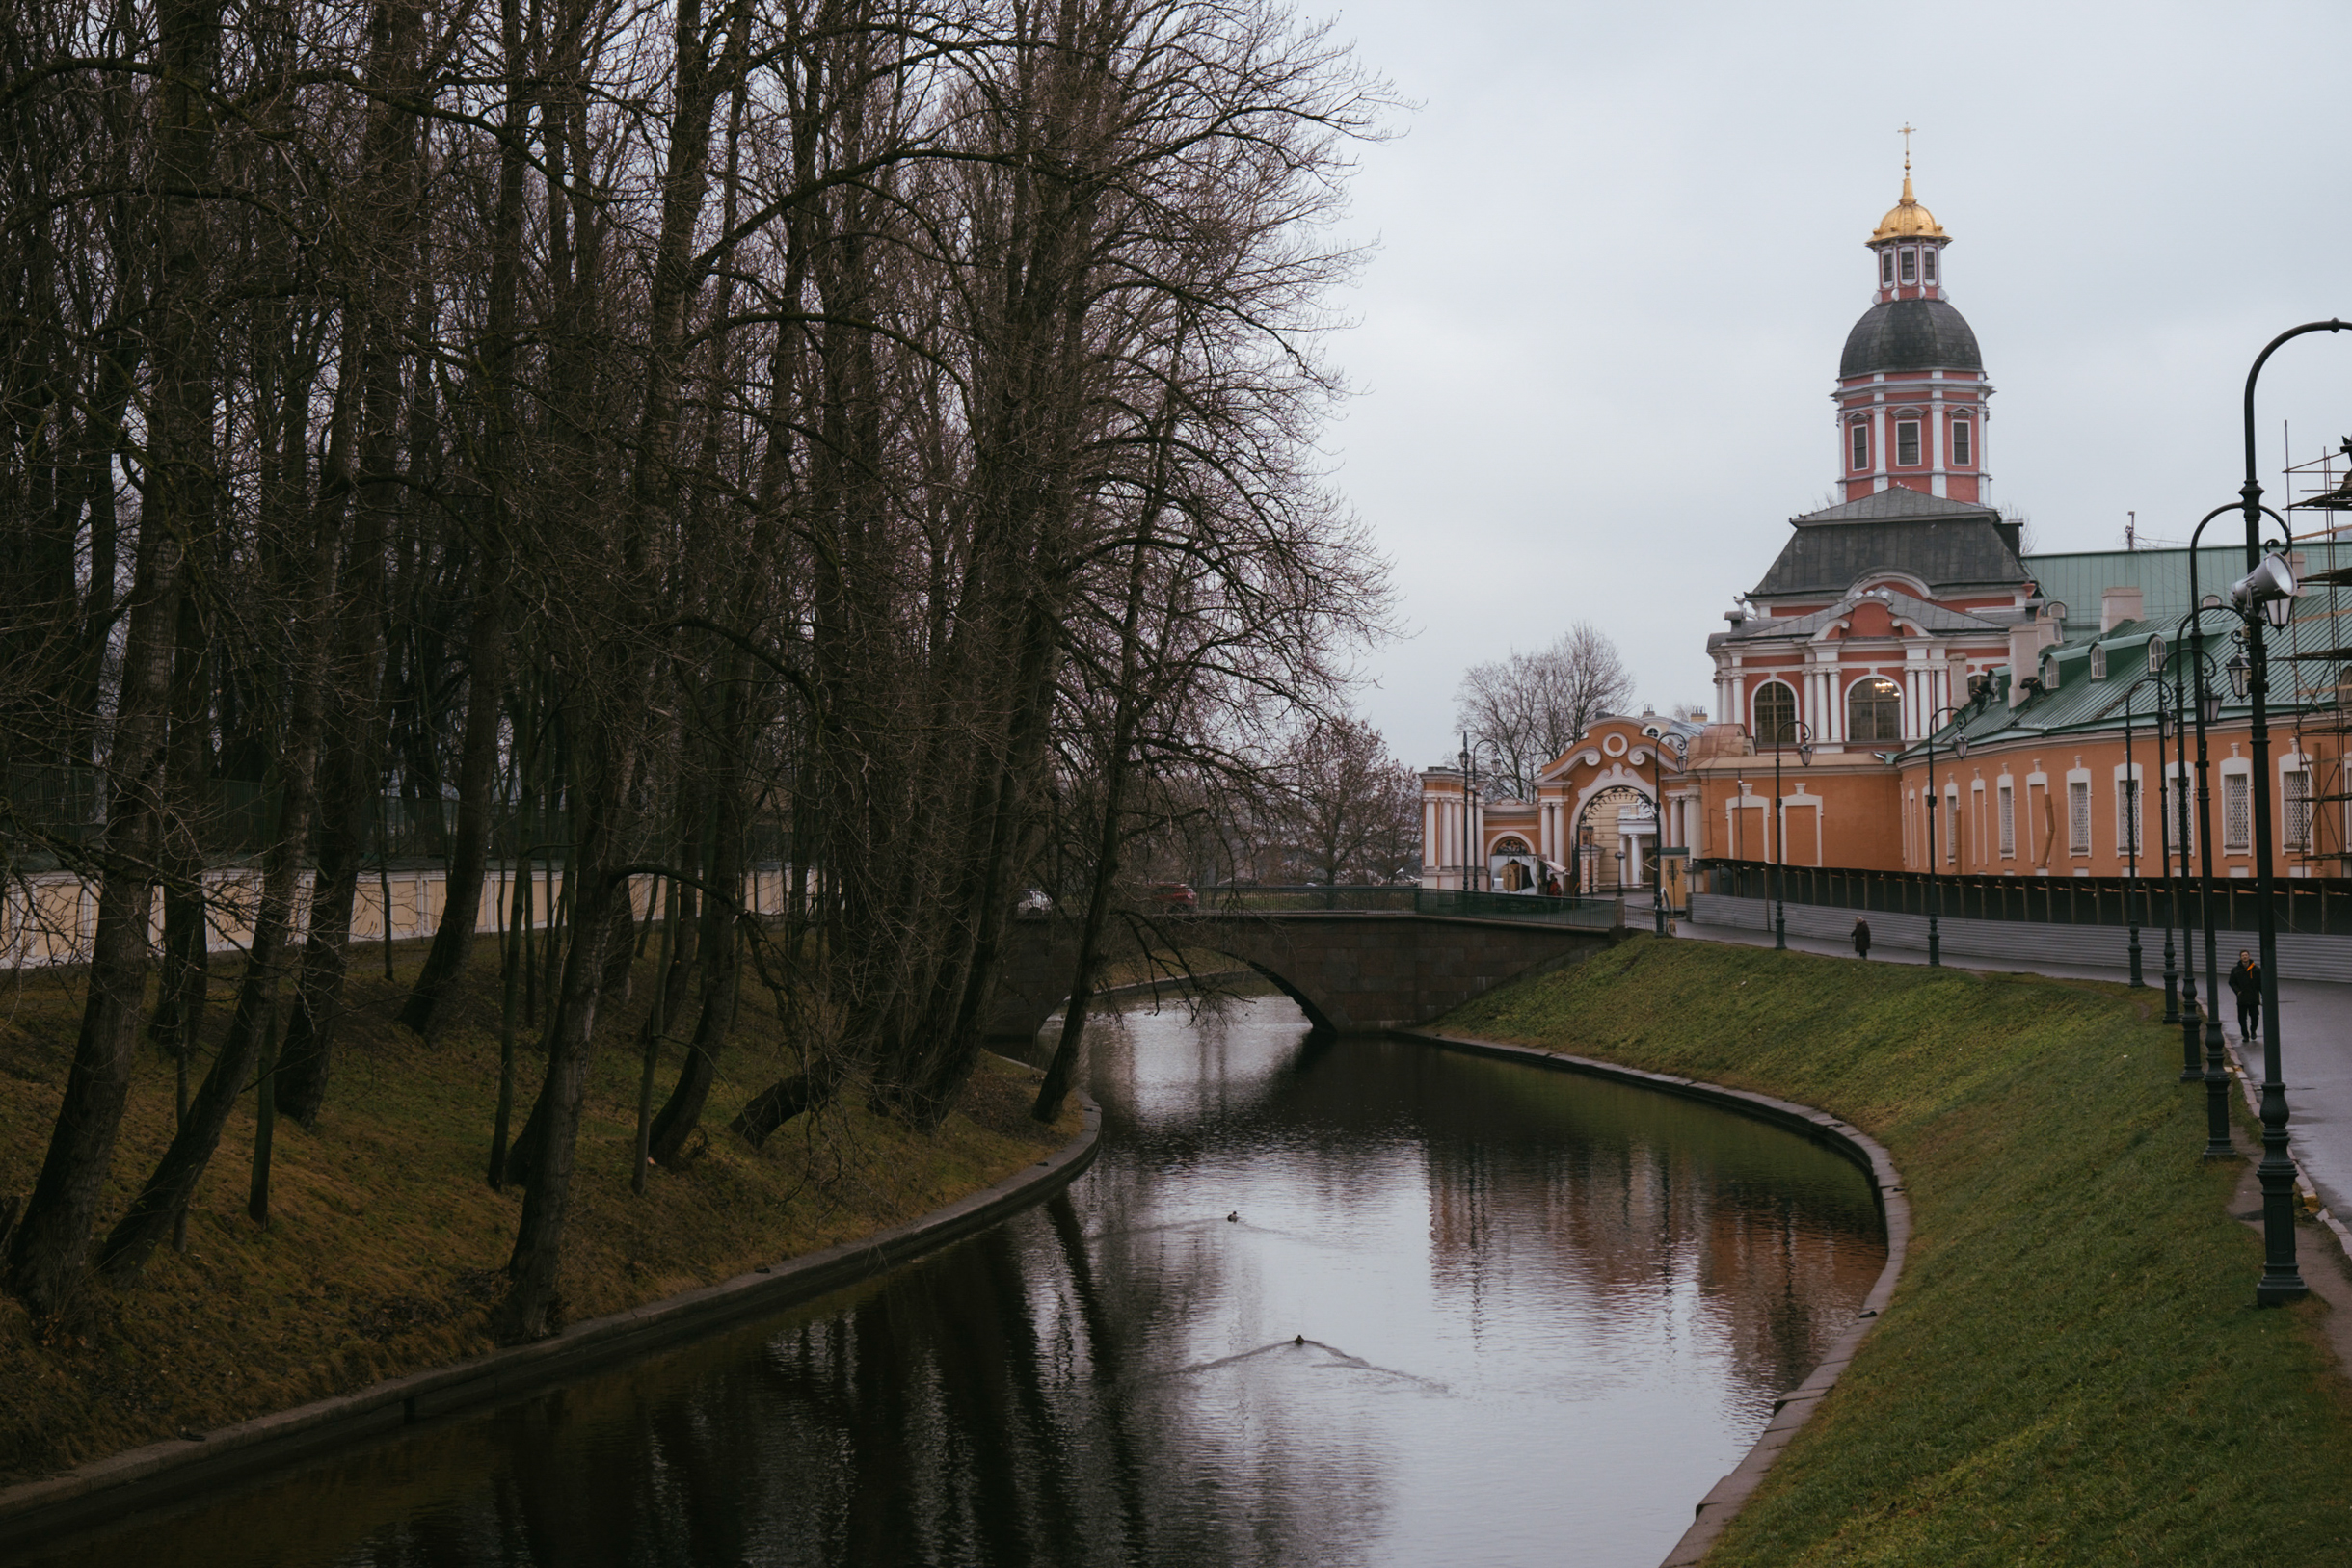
1927, 264
1861, 445
1951, 838
2130, 825
2295, 785
1962, 452
1907, 441
1910, 265
2009, 823
1886, 266
2078, 815
2237, 813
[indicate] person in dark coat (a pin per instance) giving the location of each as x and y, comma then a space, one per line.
2246, 980
1862, 938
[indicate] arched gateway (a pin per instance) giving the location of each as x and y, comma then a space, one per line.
1597, 822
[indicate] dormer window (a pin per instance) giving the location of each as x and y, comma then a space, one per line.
1963, 448
2099, 661
1910, 265
1886, 267
1927, 264
1859, 444
1907, 443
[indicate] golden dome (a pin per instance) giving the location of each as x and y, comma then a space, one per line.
1907, 220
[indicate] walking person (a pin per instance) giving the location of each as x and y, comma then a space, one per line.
1862, 938
2246, 980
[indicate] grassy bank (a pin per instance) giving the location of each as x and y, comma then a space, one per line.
2072, 1371
384, 1242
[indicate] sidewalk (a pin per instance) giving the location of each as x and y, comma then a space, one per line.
2315, 1018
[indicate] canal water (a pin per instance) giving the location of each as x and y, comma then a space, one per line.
1320, 1302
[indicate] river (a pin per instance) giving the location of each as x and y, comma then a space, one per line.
1320, 1301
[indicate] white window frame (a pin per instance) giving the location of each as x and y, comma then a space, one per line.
1855, 685
1964, 442
2078, 812
1887, 268
2131, 811
1951, 835
1858, 446
2007, 805
1927, 263
1912, 427
1910, 271
2237, 806
2295, 805
2179, 797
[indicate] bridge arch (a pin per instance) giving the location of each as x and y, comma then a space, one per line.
1350, 972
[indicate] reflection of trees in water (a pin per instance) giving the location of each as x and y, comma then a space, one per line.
1027, 1397
987, 1408
1631, 1200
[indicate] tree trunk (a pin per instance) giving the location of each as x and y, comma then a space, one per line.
50, 1244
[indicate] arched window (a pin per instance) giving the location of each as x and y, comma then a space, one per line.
1775, 713
1874, 710
1511, 844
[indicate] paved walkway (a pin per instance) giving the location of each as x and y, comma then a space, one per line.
2315, 1038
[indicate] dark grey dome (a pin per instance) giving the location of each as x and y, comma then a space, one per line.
1909, 334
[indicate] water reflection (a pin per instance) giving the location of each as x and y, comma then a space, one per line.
1320, 1302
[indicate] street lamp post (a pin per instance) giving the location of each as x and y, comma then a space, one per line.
2132, 836
1801, 734
1657, 783
2266, 597
2207, 707
1934, 809
2192, 1069
2164, 842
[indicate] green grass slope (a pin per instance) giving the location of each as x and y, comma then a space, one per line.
2072, 1371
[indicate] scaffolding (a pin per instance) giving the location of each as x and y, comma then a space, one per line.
2313, 669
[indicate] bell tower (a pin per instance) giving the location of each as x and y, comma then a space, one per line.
1910, 385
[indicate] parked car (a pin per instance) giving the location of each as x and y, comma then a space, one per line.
1175, 896
1033, 904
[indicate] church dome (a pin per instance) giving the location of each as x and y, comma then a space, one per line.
1907, 220
1909, 334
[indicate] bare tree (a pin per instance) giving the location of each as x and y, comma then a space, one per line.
1522, 712
1354, 810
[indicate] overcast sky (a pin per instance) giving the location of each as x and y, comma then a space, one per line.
1618, 247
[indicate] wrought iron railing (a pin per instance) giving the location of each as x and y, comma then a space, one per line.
2315, 905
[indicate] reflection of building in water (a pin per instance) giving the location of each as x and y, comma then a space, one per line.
1734, 1219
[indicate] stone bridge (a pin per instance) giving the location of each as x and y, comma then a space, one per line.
1351, 972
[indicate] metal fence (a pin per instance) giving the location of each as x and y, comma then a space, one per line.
2319, 906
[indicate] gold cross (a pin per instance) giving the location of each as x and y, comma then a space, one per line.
1906, 136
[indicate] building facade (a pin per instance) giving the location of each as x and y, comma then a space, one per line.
1909, 609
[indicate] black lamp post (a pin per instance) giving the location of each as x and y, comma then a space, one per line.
2164, 845
1657, 785
2265, 598
1469, 764
2131, 835
1934, 809
2192, 1070
1801, 734
2208, 708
